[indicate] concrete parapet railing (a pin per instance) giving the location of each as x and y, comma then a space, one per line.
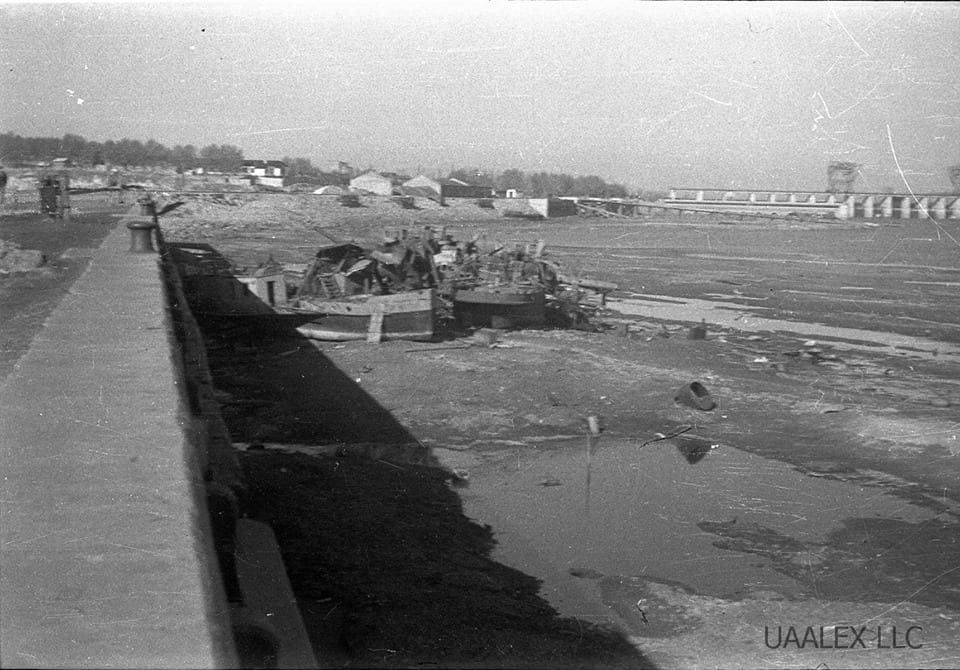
267, 626
120, 539
107, 553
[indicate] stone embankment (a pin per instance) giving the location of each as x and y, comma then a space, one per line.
120, 537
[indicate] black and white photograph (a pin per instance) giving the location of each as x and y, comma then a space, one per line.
479, 334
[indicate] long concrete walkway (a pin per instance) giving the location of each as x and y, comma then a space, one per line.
104, 551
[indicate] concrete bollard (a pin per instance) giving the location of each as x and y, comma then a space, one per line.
141, 235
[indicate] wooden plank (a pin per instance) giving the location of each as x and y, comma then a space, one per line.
375, 330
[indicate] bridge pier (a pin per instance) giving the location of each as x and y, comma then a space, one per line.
940, 208
841, 205
886, 207
905, 207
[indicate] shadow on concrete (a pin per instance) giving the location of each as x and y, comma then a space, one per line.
387, 569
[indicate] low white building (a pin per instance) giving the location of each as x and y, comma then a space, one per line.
266, 173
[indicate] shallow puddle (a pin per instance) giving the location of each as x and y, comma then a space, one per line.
562, 514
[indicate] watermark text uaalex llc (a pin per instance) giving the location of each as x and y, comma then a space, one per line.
842, 637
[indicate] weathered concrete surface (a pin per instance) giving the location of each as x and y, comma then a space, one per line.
103, 533
266, 590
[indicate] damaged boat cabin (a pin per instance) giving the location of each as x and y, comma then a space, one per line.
351, 293
217, 286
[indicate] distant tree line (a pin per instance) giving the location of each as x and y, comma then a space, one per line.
542, 184
127, 153
302, 171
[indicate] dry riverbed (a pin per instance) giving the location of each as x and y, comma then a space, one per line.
820, 492
441, 503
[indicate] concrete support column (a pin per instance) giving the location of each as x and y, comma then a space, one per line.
924, 206
843, 212
886, 207
753, 197
940, 208
905, 204
955, 208
868, 207
673, 194
699, 195
832, 199
793, 198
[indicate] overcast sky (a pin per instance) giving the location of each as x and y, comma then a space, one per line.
752, 95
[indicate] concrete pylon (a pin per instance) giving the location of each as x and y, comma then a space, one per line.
940, 208
905, 207
886, 207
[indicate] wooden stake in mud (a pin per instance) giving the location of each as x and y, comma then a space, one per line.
593, 423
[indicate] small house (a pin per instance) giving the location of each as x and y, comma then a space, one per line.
422, 186
454, 188
266, 173
554, 207
372, 182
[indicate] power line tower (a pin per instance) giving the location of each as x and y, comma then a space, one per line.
841, 175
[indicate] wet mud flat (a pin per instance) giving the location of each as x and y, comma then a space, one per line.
389, 572
794, 508
822, 498
388, 569
820, 493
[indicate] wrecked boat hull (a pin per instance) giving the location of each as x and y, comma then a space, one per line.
405, 316
508, 306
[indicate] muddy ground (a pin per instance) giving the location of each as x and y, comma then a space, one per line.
389, 550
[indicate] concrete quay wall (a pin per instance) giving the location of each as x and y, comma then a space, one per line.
118, 517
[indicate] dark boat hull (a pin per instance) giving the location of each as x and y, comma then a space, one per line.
405, 316
507, 306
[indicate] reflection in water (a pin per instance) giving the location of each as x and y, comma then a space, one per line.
642, 512
694, 450
592, 442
